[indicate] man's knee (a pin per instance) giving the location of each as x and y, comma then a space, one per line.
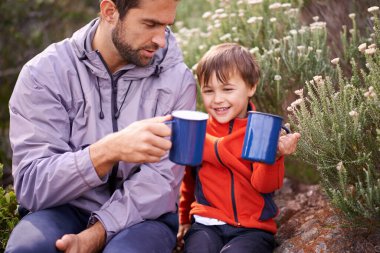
26, 238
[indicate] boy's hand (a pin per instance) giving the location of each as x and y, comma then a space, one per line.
287, 144
182, 230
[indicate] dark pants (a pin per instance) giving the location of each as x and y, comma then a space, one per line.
38, 232
227, 239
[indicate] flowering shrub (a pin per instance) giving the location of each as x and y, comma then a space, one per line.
287, 52
341, 131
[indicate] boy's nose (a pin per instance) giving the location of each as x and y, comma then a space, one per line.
218, 98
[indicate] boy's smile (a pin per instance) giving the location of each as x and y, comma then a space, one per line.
226, 101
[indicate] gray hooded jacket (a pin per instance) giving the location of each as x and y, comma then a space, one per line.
66, 99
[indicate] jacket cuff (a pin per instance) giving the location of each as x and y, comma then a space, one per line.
86, 169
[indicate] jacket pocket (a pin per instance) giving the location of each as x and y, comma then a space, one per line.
270, 209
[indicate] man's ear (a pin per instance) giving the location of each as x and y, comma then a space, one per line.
108, 11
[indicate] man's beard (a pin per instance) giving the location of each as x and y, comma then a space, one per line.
130, 55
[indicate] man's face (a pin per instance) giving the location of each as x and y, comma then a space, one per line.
142, 31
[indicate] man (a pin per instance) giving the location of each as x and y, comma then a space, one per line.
89, 144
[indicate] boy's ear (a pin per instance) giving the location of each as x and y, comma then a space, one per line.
252, 90
108, 11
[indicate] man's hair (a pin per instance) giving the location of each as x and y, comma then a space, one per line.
225, 60
124, 5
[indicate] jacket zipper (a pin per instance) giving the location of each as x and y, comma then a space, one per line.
115, 168
231, 173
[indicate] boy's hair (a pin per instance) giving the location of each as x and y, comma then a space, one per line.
227, 59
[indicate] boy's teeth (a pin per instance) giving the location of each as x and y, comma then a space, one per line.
221, 109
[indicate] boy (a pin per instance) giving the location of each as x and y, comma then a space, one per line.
231, 199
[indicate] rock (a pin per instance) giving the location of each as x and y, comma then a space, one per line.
308, 223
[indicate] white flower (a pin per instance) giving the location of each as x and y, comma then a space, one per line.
232, 15
353, 113
293, 32
286, 38
370, 51
219, 11
275, 6
223, 15
290, 109
294, 104
260, 18
251, 20
254, 50
273, 20
373, 9
352, 15
207, 14
315, 18
335, 61
301, 48
252, 2
362, 47
201, 47
299, 92
277, 77
286, 5
339, 166
234, 29
275, 41
225, 37
318, 80
372, 46
317, 26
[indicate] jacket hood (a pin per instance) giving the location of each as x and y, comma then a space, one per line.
163, 59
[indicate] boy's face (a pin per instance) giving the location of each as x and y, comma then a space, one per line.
226, 101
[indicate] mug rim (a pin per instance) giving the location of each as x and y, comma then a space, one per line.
190, 115
266, 114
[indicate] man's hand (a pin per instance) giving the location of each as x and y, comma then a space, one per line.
90, 240
141, 142
287, 144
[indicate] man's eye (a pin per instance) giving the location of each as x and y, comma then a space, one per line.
150, 25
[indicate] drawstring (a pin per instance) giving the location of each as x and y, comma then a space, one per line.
117, 114
157, 71
101, 114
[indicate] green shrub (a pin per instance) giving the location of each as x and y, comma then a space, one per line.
340, 126
287, 51
8, 213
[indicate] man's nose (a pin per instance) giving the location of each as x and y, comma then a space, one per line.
159, 38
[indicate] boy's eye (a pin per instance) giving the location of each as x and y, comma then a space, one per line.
207, 91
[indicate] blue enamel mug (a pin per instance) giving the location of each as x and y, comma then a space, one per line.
261, 137
188, 137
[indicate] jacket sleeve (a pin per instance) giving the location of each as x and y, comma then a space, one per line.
268, 178
46, 171
187, 196
154, 190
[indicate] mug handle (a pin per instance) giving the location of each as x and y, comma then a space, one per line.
286, 129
